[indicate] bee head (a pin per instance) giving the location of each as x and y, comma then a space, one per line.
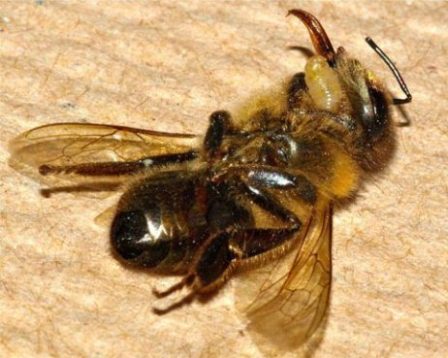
368, 101
340, 84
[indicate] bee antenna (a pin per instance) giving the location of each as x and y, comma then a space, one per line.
395, 72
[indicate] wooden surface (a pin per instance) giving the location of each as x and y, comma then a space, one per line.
165, 66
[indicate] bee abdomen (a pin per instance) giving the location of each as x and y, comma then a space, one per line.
158, 223
133, 241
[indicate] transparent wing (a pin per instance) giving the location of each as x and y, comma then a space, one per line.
286, 300
63, 144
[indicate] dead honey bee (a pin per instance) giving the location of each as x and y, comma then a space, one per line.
259, 185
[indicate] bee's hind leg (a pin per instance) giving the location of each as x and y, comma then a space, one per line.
235, 241
210, 271
186, 281
177, 304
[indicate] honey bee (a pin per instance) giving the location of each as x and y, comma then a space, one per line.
260, 185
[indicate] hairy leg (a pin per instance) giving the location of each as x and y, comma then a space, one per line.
119, 168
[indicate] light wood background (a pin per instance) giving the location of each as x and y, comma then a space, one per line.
166, 65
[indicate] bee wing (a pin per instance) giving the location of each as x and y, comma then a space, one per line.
63, 144
286, 300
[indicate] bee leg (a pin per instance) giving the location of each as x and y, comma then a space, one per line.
118, 168
183, 301
296, 85
223, 252
84, 187
209, 272
268, 178
229, 250
186, 281
258, 180
266, 201
220, 125
214, 262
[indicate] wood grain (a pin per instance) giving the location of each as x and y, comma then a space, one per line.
165, 66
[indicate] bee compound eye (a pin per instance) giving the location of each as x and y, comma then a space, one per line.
376, 114
131, 240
